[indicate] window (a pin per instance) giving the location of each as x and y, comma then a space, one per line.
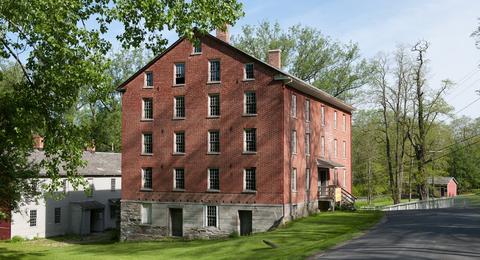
322, 113
149, 79
293, 181
334, 119
335, 148
211, 216
179, 182
344, 182
294, 106
179, 73
33, 218
147, 178
307, 179
294, 142
250, 142
91, 187
249, 71
214, 105
179, 107
213, 141
146, 214
180, 142
113, 184
147, 143
147, 109
307, 110
344, 119
250, 103
197, 47
214, 179
57, 215
322, 144
250, 179
307, 144
344, 149
214, 71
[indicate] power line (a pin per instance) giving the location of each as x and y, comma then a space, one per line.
467, 105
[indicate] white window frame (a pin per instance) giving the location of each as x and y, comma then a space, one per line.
175, 179
143, 108
210, 103
245, 140
307, 144
209, 186
209, 139
322, 114
144, 179
30, 218
175, 108
245, 71
113, 184
143, 143
216, 215
245, 178
307, 178
175, 151
245, 112
146, 79
194, 51
334, 119
293, 105
293, 144
146, 213
293, 180
335, 148
307, 110
175, 74
210, 71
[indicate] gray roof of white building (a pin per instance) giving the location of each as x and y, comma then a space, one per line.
98, 163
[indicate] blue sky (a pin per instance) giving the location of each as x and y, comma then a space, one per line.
380, 26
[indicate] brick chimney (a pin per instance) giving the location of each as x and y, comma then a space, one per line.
37, 142
275, 58
222, 34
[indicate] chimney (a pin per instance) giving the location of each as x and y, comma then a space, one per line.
222, 34
37, 142
275, 58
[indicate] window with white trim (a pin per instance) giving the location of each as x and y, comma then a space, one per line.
214, 71
197, 47
294, 142
213, 179
33, 218
250, 179
179, 181
179, 105
307, 179
147, 181
113, 184
214, 105
149, 79
293, 180
335, 143
307, 144
57, 215
344, 153
179, 142
250, 140
147, 112
248, 71
322, 145
334, 119
147, 143
146, 213
322, 114
344, 119
212, 216
214, 141
294, 106
307, 110
250, 100
179, 73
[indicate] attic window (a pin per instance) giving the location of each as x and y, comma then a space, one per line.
249, 71
149, 79
197, 47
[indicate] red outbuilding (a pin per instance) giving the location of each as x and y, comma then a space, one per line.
444, 186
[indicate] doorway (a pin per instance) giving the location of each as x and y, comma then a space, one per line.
245, 222
96, 220
176, 220
323, 178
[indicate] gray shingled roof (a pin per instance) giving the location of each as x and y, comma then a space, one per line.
440, 180
98, 163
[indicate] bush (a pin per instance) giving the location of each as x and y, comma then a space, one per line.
234, 234
17, 239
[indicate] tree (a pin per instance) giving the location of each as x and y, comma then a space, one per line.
59, 48
306, 53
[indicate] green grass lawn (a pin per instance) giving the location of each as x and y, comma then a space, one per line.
296, 240
378, 202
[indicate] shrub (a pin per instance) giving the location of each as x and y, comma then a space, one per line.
17, 239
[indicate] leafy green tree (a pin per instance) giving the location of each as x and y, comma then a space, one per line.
60, 49
308, 54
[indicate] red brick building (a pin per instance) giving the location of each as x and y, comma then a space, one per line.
216, 141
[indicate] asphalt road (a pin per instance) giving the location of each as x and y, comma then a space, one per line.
452, 233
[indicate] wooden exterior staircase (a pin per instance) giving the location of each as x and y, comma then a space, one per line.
336, 196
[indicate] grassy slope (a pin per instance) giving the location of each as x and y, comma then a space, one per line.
379, 202
297, 240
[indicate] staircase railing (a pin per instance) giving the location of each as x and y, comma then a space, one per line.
347, 197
